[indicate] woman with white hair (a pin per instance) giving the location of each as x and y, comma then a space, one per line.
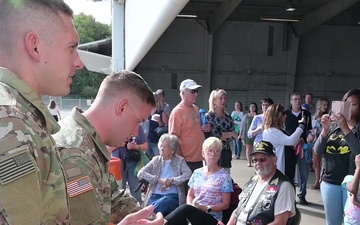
209, 193
166, 175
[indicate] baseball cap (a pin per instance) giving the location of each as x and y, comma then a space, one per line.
305, 106
264, 147
189, 84
160, 92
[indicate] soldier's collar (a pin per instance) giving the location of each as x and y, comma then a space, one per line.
11, 79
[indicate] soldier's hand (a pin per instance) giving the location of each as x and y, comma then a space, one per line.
141, 216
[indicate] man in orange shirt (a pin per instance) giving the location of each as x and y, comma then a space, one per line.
184, 122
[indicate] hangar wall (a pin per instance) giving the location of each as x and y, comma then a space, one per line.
329, 61
253, 60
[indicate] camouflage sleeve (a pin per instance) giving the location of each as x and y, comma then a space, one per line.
25, 197
85, 180
122, 204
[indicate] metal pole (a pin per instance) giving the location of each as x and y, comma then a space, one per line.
118, 35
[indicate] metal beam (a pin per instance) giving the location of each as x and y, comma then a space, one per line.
208, 66
321, 15
291, 64
221, 13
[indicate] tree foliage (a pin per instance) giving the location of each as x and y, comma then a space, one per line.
86, 83
89, 30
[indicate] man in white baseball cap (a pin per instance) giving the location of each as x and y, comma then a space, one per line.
184, 122
189, 84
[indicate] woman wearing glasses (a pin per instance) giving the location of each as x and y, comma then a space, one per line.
274, 120
209, 192
167, 175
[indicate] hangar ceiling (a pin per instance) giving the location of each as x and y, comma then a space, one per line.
310, 13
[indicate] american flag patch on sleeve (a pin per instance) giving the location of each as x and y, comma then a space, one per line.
79, 186
15, 166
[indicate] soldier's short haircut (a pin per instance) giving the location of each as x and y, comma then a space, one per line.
127, 81
20, 16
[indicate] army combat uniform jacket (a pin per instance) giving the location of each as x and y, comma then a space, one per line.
32, 183
93, 191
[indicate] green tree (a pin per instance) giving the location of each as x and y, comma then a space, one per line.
86, 83
89, 30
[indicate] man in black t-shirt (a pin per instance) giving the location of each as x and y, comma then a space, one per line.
293, 115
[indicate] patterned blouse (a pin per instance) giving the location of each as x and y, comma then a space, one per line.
220, 124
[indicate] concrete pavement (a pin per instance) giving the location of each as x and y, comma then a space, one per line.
313, 213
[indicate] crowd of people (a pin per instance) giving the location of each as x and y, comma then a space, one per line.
58, 173
278, 143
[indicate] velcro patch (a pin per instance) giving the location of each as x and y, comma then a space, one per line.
79, 186
14, 166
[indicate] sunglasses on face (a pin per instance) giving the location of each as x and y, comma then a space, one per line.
194, 91
261, 160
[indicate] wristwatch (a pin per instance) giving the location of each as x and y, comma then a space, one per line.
208, 209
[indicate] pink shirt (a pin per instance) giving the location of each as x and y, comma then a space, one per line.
184, 122
208, 190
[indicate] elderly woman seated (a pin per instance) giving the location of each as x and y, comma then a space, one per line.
166, 175
209, 193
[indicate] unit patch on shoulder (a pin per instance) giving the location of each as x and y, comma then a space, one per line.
15, 165
79, 186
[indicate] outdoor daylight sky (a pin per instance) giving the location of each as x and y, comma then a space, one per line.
101, 11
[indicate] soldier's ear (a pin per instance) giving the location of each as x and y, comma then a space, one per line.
32, 45
121, 106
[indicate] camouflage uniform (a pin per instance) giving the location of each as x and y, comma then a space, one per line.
92, 189
32, 183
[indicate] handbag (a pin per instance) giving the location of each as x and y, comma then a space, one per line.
226, 155
234, 200
133, 155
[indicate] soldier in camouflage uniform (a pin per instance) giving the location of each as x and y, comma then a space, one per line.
123, 102
32, 181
